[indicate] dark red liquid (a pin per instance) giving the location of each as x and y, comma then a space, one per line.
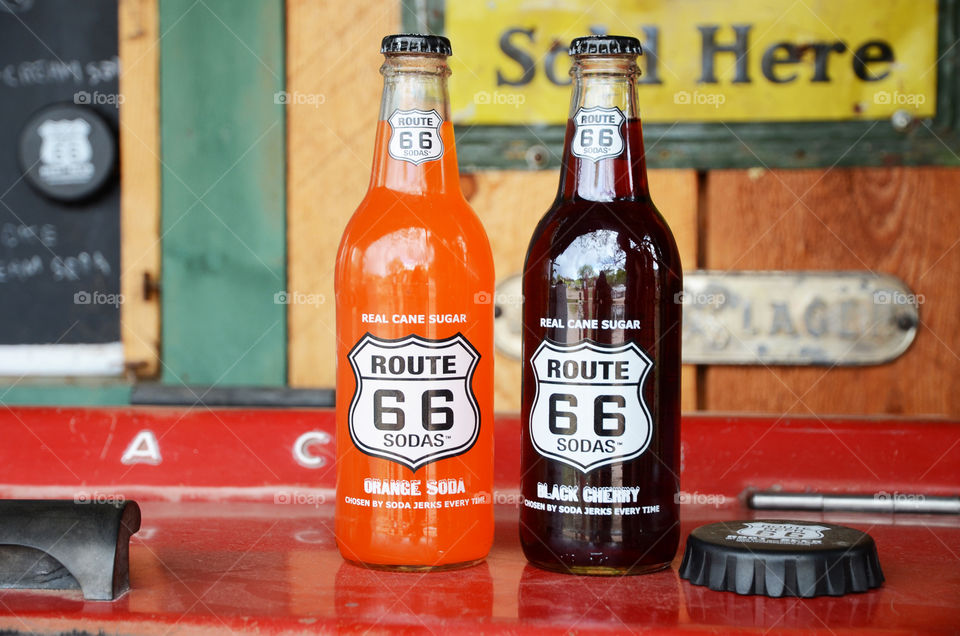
604, 227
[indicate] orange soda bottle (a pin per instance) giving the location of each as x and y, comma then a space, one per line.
414, 283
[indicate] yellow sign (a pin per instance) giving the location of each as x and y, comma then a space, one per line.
704, 60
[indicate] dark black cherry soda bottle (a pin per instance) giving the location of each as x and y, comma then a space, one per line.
601, 343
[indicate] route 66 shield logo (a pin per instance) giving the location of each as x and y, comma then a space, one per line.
415, 136
65, 151
597, 133
589, 410
781, 531
414, 401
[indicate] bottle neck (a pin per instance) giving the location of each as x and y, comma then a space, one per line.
415, 150
603, 158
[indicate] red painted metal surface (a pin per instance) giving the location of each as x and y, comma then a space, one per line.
237, 535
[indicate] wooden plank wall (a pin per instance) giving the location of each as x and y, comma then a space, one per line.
140, 188
897, 220
330, 146
224, 232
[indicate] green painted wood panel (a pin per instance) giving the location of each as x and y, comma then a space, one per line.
223, 192
54, 393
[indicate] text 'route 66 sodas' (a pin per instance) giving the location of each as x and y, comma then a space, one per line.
414, 279
600, 410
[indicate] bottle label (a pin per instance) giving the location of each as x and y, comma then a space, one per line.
414, 401
597, 133
589, 410
415, 136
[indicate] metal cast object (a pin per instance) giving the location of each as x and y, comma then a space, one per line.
879, 502
825, 318
62, 545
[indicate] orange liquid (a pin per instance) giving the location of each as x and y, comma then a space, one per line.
415, 247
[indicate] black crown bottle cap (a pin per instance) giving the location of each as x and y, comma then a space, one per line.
416, 43
606, 45
778, 557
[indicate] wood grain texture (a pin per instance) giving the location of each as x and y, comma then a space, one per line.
896, 220
330, 147
140, 185
223, 220
329, 152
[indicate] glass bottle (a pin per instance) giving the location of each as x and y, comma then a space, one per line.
600, 412
414, 282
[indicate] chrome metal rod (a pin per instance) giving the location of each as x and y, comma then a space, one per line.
878, 502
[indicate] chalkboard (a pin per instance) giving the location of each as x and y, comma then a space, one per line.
59, 188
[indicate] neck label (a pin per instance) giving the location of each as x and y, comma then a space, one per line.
415, 136
597, 133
